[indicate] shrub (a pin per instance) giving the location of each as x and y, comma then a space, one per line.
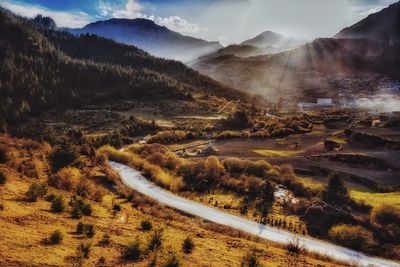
188, 245
239, 120
67, 179
35, 191
102, 261
117, 207
61, 157
2, 207
79, 207
83, 250
251, 259
294, 246
76, 213
4, 154
355, 237
50, 197
234, 165
3, 178
87, 229
336, 192
57, 204
386, 214
87, 209
133, 251
172, 261
156, 240
213, 169
84, 188
56, 238
79, 227
105, 240
146, 225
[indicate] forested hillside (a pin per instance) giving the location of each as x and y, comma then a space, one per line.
41, 69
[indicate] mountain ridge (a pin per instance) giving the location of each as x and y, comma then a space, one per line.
43, 69
151, 37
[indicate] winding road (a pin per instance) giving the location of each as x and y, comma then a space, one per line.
134, 180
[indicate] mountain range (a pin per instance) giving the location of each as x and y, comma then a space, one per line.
265, 43
151, 37
273, 39
370, 46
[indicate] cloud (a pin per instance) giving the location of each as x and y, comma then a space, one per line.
62, 18
178, 24
133, 9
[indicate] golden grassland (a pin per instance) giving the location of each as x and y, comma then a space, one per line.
278, 153
377, 199
358, 192
25, 224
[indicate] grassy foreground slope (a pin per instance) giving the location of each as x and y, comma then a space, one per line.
27, 224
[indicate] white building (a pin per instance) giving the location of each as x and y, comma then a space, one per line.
324, 102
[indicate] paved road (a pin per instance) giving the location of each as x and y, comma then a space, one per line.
136, 181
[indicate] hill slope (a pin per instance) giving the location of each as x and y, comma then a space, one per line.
155, 39
383, 26
43, 69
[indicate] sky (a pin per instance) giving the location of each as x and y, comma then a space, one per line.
226, 21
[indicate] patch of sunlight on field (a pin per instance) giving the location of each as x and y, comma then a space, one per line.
311, 182
339, 140
277, 153
377, 199
320, 182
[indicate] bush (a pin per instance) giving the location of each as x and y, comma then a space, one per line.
2, 207
188, 245
335, 192
386, 214
87, 229
61, 157
172, 261
156, 240
146, 225
56, 238
105, 239
87, 209
35, 191
76, 213
3, 178
83, 250
66, 179
294, 246
50, 197
239, 120
133, 251
57, 204
251, 259
117, 207
79, 227
79, 207
355, 237
4, 154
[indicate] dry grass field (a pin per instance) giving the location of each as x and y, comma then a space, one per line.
26, 224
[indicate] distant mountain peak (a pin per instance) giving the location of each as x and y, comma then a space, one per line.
151, 37
266, 38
